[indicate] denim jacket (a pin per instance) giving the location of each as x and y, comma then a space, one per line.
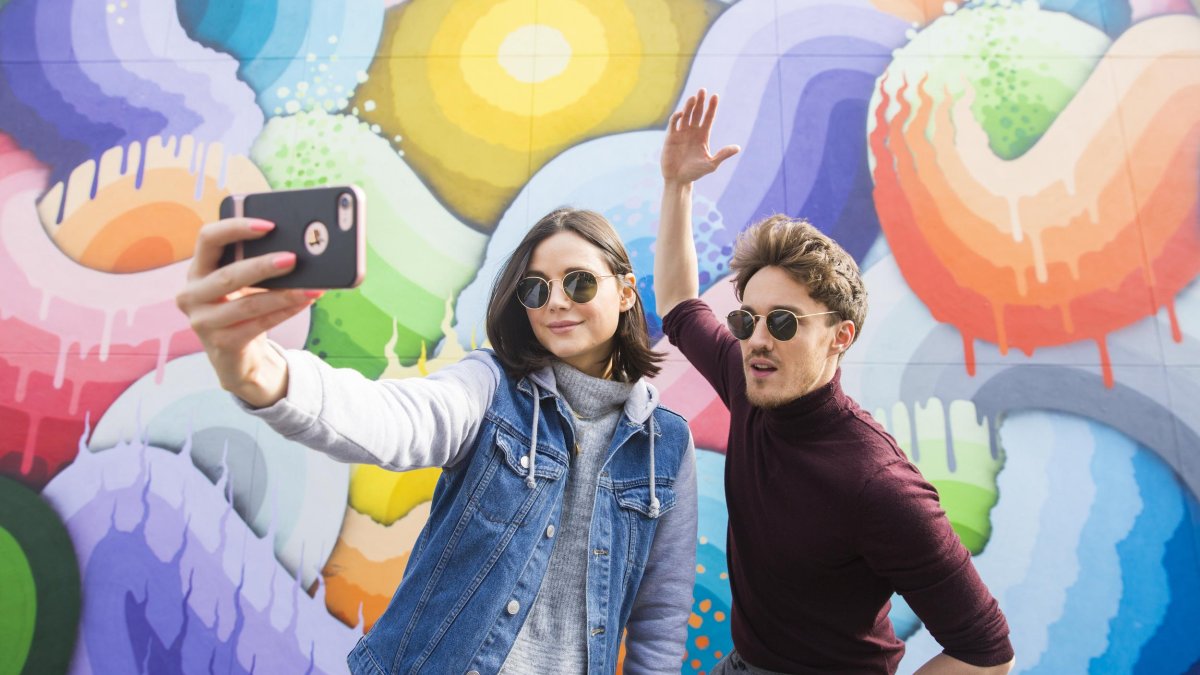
477, 566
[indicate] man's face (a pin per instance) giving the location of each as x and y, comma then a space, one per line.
780, 371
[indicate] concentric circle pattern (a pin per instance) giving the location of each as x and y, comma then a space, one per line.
482, 94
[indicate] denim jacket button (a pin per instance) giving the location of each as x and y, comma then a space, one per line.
524, 461
513, 607
550, 531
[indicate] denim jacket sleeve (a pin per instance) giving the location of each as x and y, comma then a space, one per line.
396, 424
658, 622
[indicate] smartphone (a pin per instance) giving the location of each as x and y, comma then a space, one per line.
325, 227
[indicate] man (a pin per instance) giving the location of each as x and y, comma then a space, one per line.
827, 517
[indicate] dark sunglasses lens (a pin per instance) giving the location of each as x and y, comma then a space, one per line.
533, 292
781, 324
741, 324
580, 286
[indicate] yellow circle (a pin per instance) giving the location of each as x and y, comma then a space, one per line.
534, 53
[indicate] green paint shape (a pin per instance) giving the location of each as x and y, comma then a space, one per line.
968, 508
1023, 65
45, 552
418, 254
18, 605
361, 349
967, 490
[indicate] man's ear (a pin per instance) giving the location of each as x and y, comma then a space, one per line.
843, 338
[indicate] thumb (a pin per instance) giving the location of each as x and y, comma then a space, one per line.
724, 154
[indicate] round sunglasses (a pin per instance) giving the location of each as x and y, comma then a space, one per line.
580, 286
781, 323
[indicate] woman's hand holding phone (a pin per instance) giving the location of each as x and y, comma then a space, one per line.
232, 318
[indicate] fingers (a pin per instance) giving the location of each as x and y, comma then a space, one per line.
697, 112
223, 281
724, 154
210, 320
213, 237
686, 113
241, 334
710, 114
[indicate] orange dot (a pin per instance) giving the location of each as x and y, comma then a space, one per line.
699, 569
696, 664
702, 642
694, 620
719, 616
705, 605
724, 575
719, 655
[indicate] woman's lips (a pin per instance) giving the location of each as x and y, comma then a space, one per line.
560, 327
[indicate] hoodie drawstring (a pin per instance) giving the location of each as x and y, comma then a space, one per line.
533, 444
654, 505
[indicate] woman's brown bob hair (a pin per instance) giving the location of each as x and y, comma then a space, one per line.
508, 327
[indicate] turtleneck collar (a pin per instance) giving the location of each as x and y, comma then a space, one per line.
590, 396
810, 413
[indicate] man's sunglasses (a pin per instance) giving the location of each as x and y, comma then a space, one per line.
781, 323
580, 286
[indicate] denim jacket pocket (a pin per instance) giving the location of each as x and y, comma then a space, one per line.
634, 503
636, 498
502, 495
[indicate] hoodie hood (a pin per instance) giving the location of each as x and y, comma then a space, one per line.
640, 405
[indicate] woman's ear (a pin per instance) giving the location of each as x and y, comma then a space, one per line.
628, 291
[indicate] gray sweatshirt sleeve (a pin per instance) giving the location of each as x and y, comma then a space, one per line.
396, 424
658, 622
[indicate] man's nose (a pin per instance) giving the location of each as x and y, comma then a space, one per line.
760, 338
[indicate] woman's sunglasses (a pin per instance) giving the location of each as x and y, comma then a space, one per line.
580, 286
781, 323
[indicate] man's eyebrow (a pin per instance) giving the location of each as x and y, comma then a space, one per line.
791, 308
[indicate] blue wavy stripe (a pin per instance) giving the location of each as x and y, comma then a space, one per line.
1093, 600
1145, 585
1111, 17
1175, 648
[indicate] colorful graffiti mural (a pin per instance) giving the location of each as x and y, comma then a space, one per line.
1019, 180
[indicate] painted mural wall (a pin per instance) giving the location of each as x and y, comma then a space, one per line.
1018, 181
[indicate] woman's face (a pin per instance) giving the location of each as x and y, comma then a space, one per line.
580, 334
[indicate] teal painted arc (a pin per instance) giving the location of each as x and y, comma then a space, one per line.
262, 38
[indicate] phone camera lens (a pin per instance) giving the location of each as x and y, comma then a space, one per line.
345, 201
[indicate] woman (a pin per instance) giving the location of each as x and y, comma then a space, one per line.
547, 539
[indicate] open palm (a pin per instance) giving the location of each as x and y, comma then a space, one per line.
685, 154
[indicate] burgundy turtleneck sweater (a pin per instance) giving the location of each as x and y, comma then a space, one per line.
827, 518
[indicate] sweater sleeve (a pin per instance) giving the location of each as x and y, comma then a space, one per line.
396, 424
708, 346
906, 538
658, 621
